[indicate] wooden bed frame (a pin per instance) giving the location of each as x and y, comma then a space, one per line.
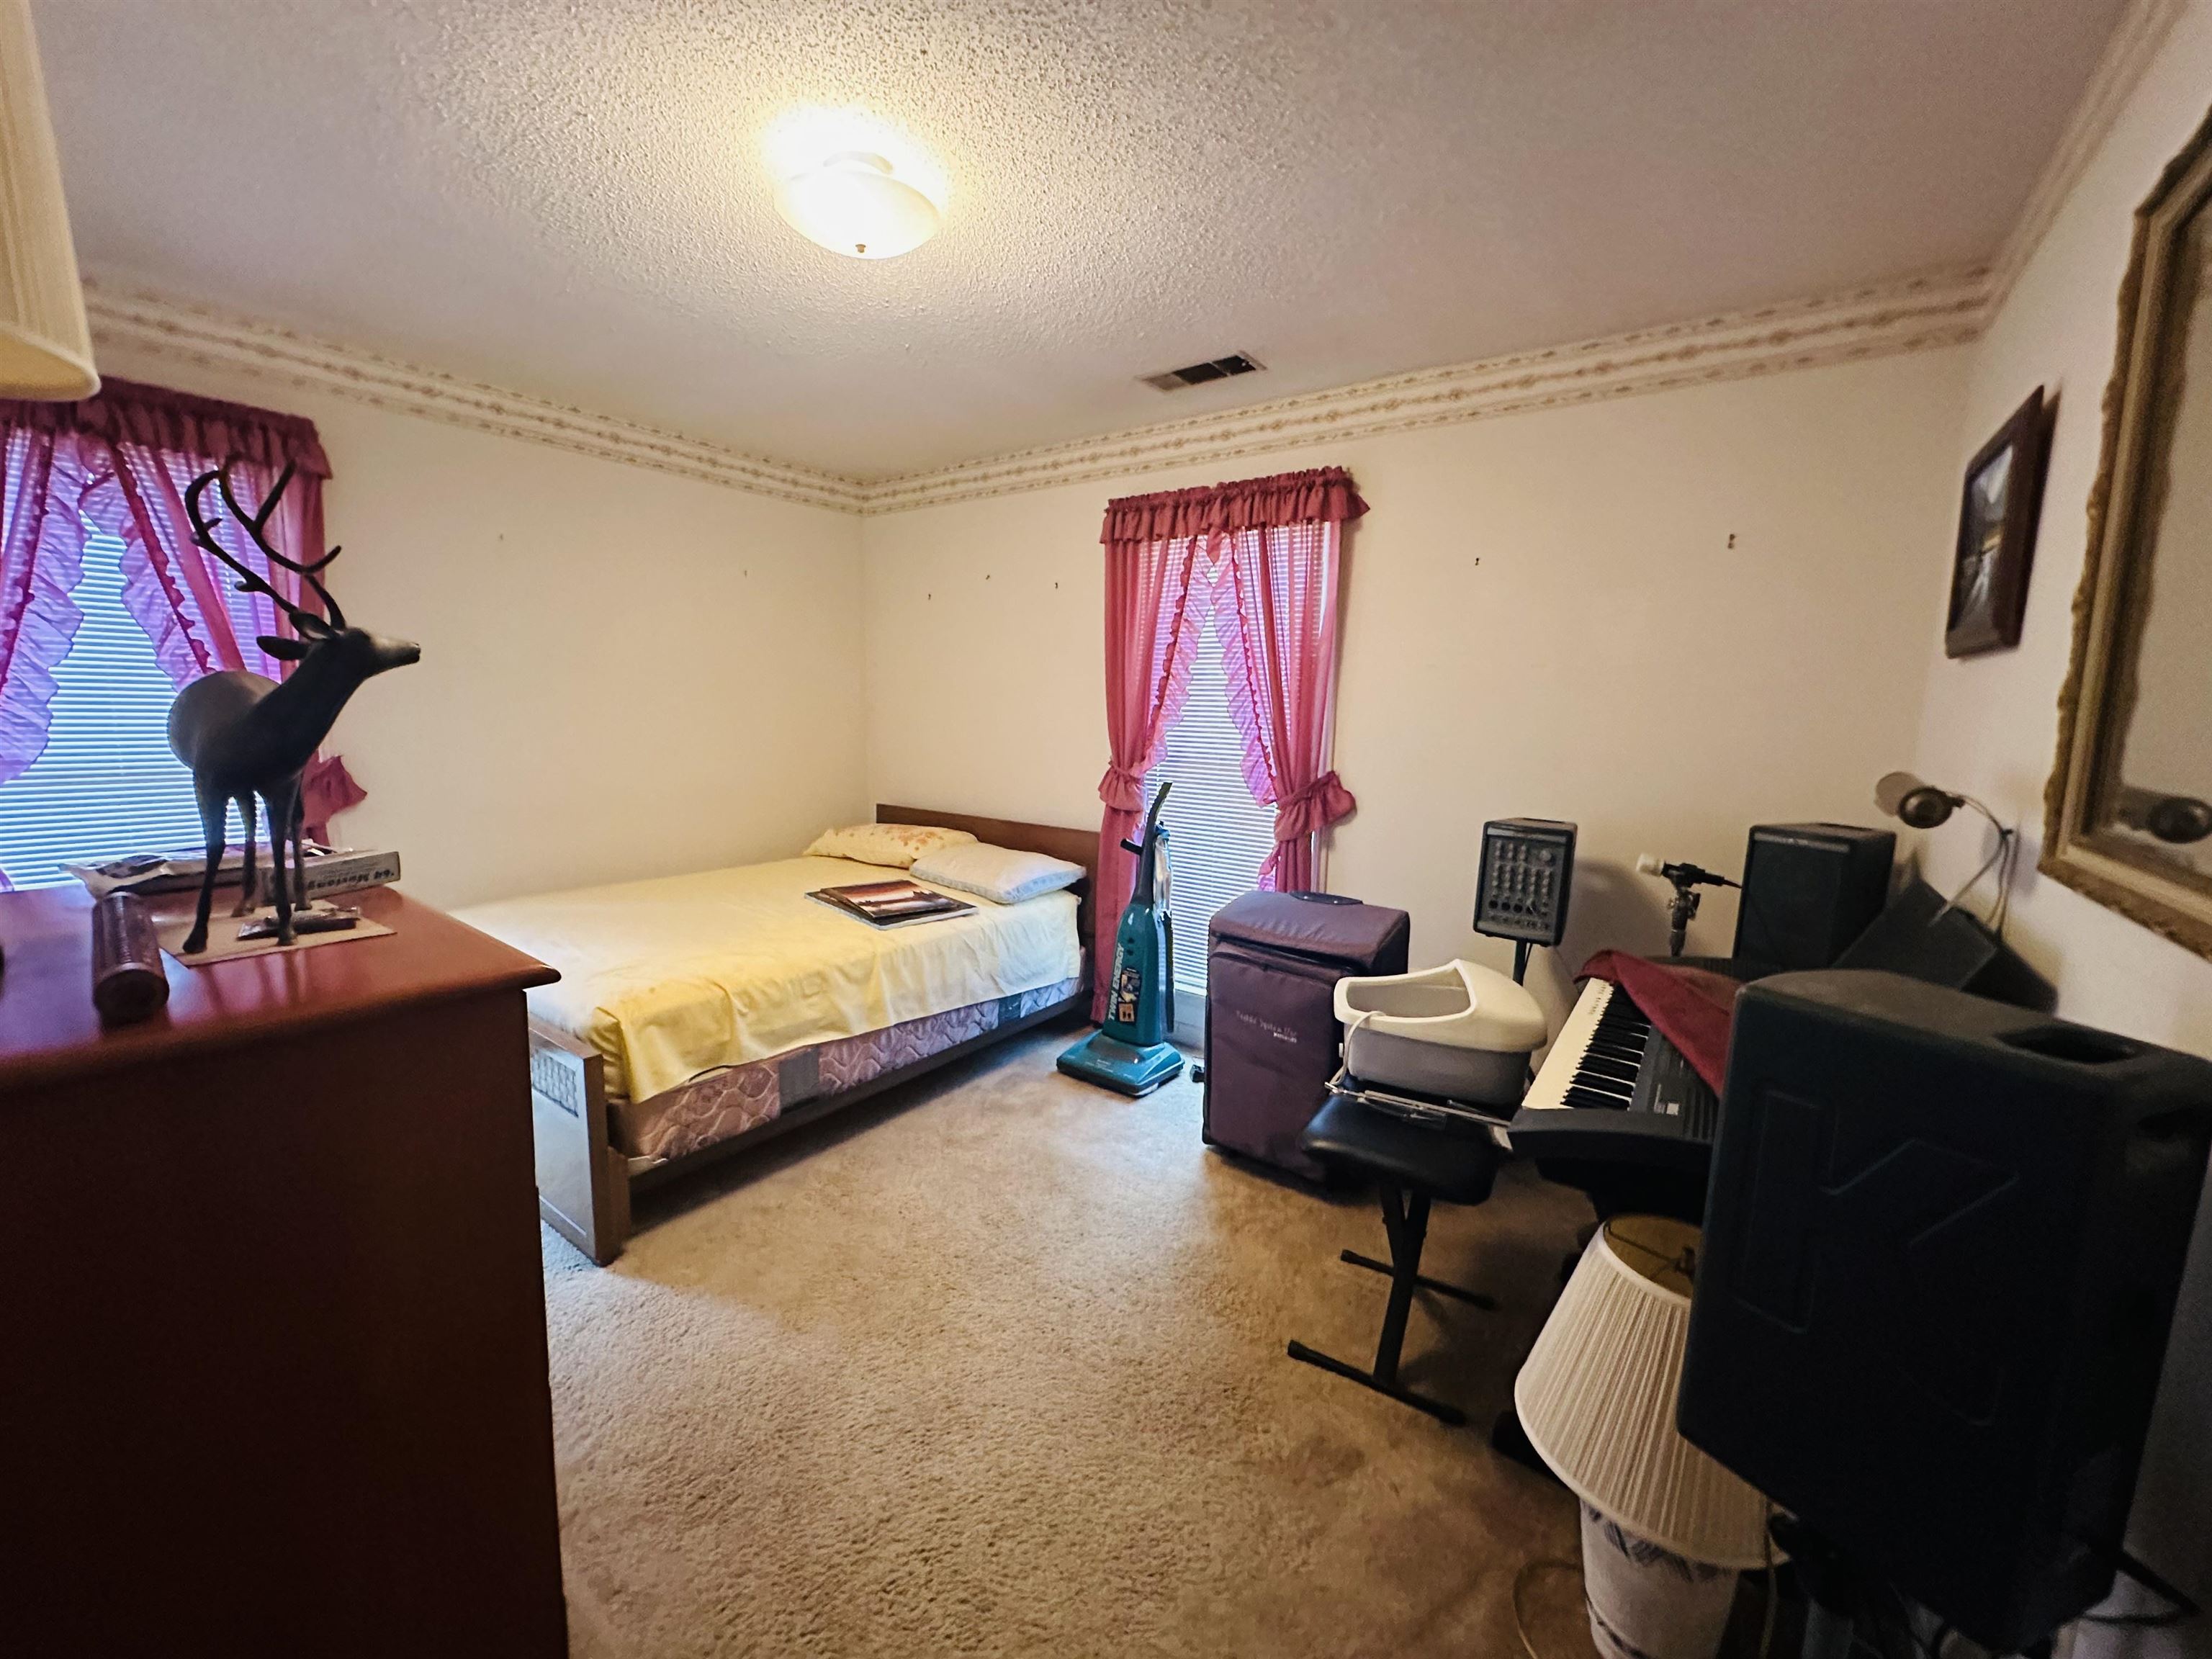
585, 1180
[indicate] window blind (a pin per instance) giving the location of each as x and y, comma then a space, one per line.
1218, 836
108, 784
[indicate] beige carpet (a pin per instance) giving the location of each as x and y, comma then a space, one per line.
995, 1366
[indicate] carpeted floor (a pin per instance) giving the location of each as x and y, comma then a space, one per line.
995, 1366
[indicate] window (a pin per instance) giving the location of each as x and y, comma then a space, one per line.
97, 638
108, 784
1218, 836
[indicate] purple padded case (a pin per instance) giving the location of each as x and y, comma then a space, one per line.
1273, 961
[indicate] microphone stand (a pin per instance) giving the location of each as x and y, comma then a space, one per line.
1685, 878
1681, 913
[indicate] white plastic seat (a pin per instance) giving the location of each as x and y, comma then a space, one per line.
1461, 1030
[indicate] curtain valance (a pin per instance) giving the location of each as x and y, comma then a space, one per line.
1322, 495
178, 423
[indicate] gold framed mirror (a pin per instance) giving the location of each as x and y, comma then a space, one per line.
2128, 815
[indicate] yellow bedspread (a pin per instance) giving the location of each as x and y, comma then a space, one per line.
669, 978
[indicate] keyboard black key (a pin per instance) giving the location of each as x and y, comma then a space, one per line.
1618, 1069
1591, 1098
1591, 1084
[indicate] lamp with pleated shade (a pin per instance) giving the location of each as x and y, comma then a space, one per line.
1596, 1400
46, 346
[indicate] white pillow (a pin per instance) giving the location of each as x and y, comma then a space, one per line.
998, 873
894, 845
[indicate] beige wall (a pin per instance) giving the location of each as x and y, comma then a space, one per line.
1666, 617
624, 673
1989, 727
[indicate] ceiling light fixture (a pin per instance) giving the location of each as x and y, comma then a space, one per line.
853, 204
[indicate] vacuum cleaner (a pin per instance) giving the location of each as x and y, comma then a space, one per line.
1130, 1052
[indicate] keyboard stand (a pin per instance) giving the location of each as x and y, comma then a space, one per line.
1405, 1219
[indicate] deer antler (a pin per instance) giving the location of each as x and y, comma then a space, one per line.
250, 580
254, 523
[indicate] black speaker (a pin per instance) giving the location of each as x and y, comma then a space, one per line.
1922, 937
1943, 1244
1809, 890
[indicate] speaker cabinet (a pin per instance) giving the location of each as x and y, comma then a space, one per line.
1942, 1245
1922, 937
1809, 890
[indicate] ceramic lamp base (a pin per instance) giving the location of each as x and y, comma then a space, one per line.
1647, 1602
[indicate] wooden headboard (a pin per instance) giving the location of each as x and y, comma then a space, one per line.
1076, 846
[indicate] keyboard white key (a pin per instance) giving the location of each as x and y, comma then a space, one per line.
1549, 1090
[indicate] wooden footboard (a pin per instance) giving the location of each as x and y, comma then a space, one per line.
583, 1180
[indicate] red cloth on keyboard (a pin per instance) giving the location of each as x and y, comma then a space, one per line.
1691, 1008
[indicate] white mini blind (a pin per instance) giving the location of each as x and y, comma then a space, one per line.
1218, 836
108, 784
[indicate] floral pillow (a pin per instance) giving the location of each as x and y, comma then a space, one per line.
896, 845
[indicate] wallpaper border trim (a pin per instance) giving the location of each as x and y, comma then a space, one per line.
145, 322
2141, 31
1917, 314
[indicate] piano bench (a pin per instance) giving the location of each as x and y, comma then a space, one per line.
1411, 1164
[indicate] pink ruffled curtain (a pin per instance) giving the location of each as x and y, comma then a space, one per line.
1274, 611
1264, 554
127, 459
142, 446
1153, 628
41, 558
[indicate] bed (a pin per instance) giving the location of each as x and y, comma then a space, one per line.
698, 1015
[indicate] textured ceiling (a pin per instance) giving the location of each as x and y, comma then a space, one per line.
572, 198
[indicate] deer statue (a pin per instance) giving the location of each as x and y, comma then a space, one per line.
244, 734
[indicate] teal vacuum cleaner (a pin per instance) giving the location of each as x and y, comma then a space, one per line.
1131, 1051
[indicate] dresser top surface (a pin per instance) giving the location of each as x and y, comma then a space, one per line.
49, 1028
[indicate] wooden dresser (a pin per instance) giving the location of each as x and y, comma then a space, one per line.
272, 1326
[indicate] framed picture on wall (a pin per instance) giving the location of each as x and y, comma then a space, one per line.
1998, 512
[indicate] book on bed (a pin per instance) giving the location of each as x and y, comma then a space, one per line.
891, 903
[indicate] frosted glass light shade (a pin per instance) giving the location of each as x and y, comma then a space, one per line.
852, 204
1596, 1400
46, 346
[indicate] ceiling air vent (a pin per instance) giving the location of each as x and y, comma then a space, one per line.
1220, 368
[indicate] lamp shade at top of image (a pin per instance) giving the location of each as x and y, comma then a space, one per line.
1596, 1400
853, 204
46, 346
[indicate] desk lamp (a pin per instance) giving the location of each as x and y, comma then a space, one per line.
1923, 806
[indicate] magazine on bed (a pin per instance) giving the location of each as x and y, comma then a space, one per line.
891, 903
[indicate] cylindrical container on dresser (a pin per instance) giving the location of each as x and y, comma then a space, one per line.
127, 980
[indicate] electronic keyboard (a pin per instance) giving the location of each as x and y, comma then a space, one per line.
1612, 1090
